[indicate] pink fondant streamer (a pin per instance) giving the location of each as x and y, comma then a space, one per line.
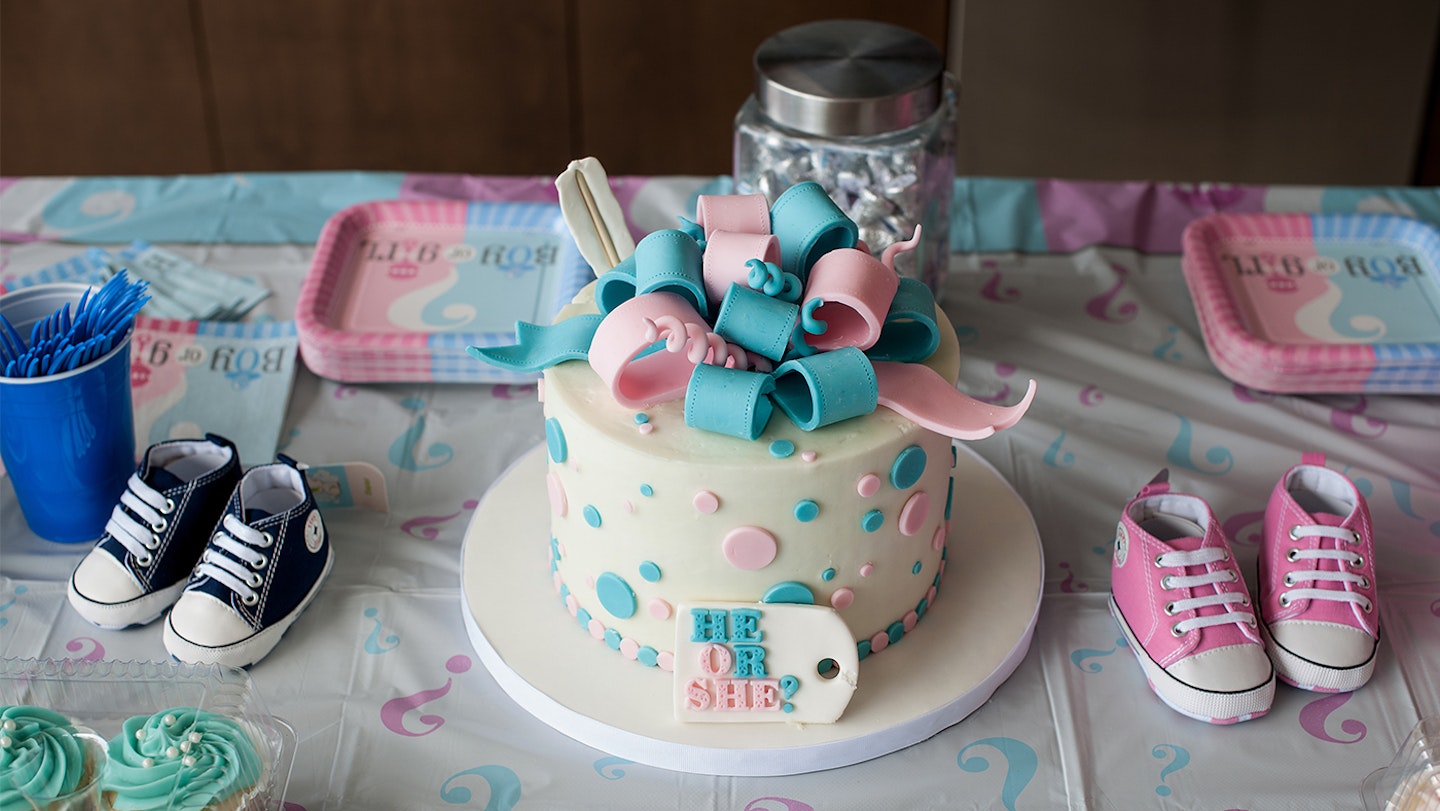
921, 394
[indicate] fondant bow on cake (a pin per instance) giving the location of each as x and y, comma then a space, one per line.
747, 310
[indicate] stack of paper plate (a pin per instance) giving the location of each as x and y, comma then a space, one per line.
1318, 303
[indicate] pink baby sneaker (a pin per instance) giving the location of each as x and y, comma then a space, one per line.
1318, 603
1179, 597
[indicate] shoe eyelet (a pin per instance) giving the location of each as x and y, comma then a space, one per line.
1251, 622
1158, 564
1293, 555
1234, 577
250, 599
154, 541
160, 527
169, 506
1169, 609
1364, 582
1245, 602
1354, 536
1289, 581
269, 540
1358, 561
1175, 630
254, 580
258, 566
1225, 555
1165, 583
146, 560
1367, 606
1294, 533
1284, 599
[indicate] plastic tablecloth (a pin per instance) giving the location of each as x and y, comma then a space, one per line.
1077, 285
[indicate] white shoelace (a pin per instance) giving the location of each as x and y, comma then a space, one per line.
232, 559
1342, 595
151, 507
1203, 557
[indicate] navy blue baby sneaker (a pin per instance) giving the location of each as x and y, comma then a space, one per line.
265, 562
140, 566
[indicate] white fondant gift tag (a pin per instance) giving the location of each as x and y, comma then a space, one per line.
762, 662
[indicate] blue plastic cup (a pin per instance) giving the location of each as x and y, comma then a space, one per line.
67, 439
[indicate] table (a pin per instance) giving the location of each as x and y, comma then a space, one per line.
1075, 284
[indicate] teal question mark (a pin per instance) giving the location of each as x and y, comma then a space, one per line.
788, 686
1182, 759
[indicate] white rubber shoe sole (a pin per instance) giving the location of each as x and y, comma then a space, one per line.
1296, 670
142, 610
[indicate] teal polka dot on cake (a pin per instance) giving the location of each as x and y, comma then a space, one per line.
615, 595
647, 656
789, 592
895, 631
641, 418
592, 516
612, 638
863, 648
909, 465
827, 575
650, 571
781, 448
555, 441
646, 490
583, 617
806, 510
872, 520
916, 568
949, 497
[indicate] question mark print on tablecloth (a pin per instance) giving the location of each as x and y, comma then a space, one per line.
1220, 460
1070, 585
79, 643
1098, 307
393, 712
1235, 523
403, 451
1020, 758
426, 527
1166, 350
1180, 761
1091, 396
1081, 657
372, 643
503, 783
1056, 457
609, 767
1313, 717
5, 606
777, 804
1352, 420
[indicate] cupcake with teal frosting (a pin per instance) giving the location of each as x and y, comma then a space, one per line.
182, 759
43, 759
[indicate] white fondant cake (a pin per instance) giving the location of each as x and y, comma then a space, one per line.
649, 513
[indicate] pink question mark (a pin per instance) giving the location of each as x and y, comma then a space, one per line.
392, 713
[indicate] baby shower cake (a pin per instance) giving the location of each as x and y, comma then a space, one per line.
1318, 302
398, 289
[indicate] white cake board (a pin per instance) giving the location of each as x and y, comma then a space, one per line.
974, 636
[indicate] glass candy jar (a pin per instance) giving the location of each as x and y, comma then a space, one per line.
866, 110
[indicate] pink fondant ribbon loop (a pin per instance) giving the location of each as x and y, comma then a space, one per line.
726, 255
737, 213
854, 291
616, 354
921, 394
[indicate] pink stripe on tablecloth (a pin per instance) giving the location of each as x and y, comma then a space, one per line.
1146, 216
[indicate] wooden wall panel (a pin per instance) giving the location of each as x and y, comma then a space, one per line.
660, 82
414, 85
1325, 92
100, 87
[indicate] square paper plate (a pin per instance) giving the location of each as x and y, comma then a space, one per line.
398, 289
1318, 302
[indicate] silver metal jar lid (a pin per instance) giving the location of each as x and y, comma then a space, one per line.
848, 77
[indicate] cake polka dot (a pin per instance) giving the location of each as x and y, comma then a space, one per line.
572, 605
628, 506
706, 502
916, 568
612, 638
842, 598
646, 490
555, 441
895, 631
596, 629
930, 595
615, 595
592, 516
908, 467
629, 648
914, 513
910, 620
868, 485
879, 642
782, 448
645, 429
809, 456
650, 571
937, 541
659, 609
949, 497
863, 648
665, 660
872, 521
867, 569
789, 592
806, 510
641, 418
827, 575
647, 655
559, 504
749, 548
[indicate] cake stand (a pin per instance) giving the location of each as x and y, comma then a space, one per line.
974, 636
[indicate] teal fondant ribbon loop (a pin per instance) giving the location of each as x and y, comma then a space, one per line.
615, 286
670, 261
826, 388
809, 224
729, 401
538, 347
910, 334
755, 321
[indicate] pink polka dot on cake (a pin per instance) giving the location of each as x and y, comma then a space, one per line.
572, 604
659, 609
628, 505
748, 548
559, 584
809, 456
879, 642
910, 620
937, 541
559, 504
930, 595
629, 648
590, 581
867, 569
868, 485
706, 502
665, 660
914, 513
645, 429
596, 629
842, 598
